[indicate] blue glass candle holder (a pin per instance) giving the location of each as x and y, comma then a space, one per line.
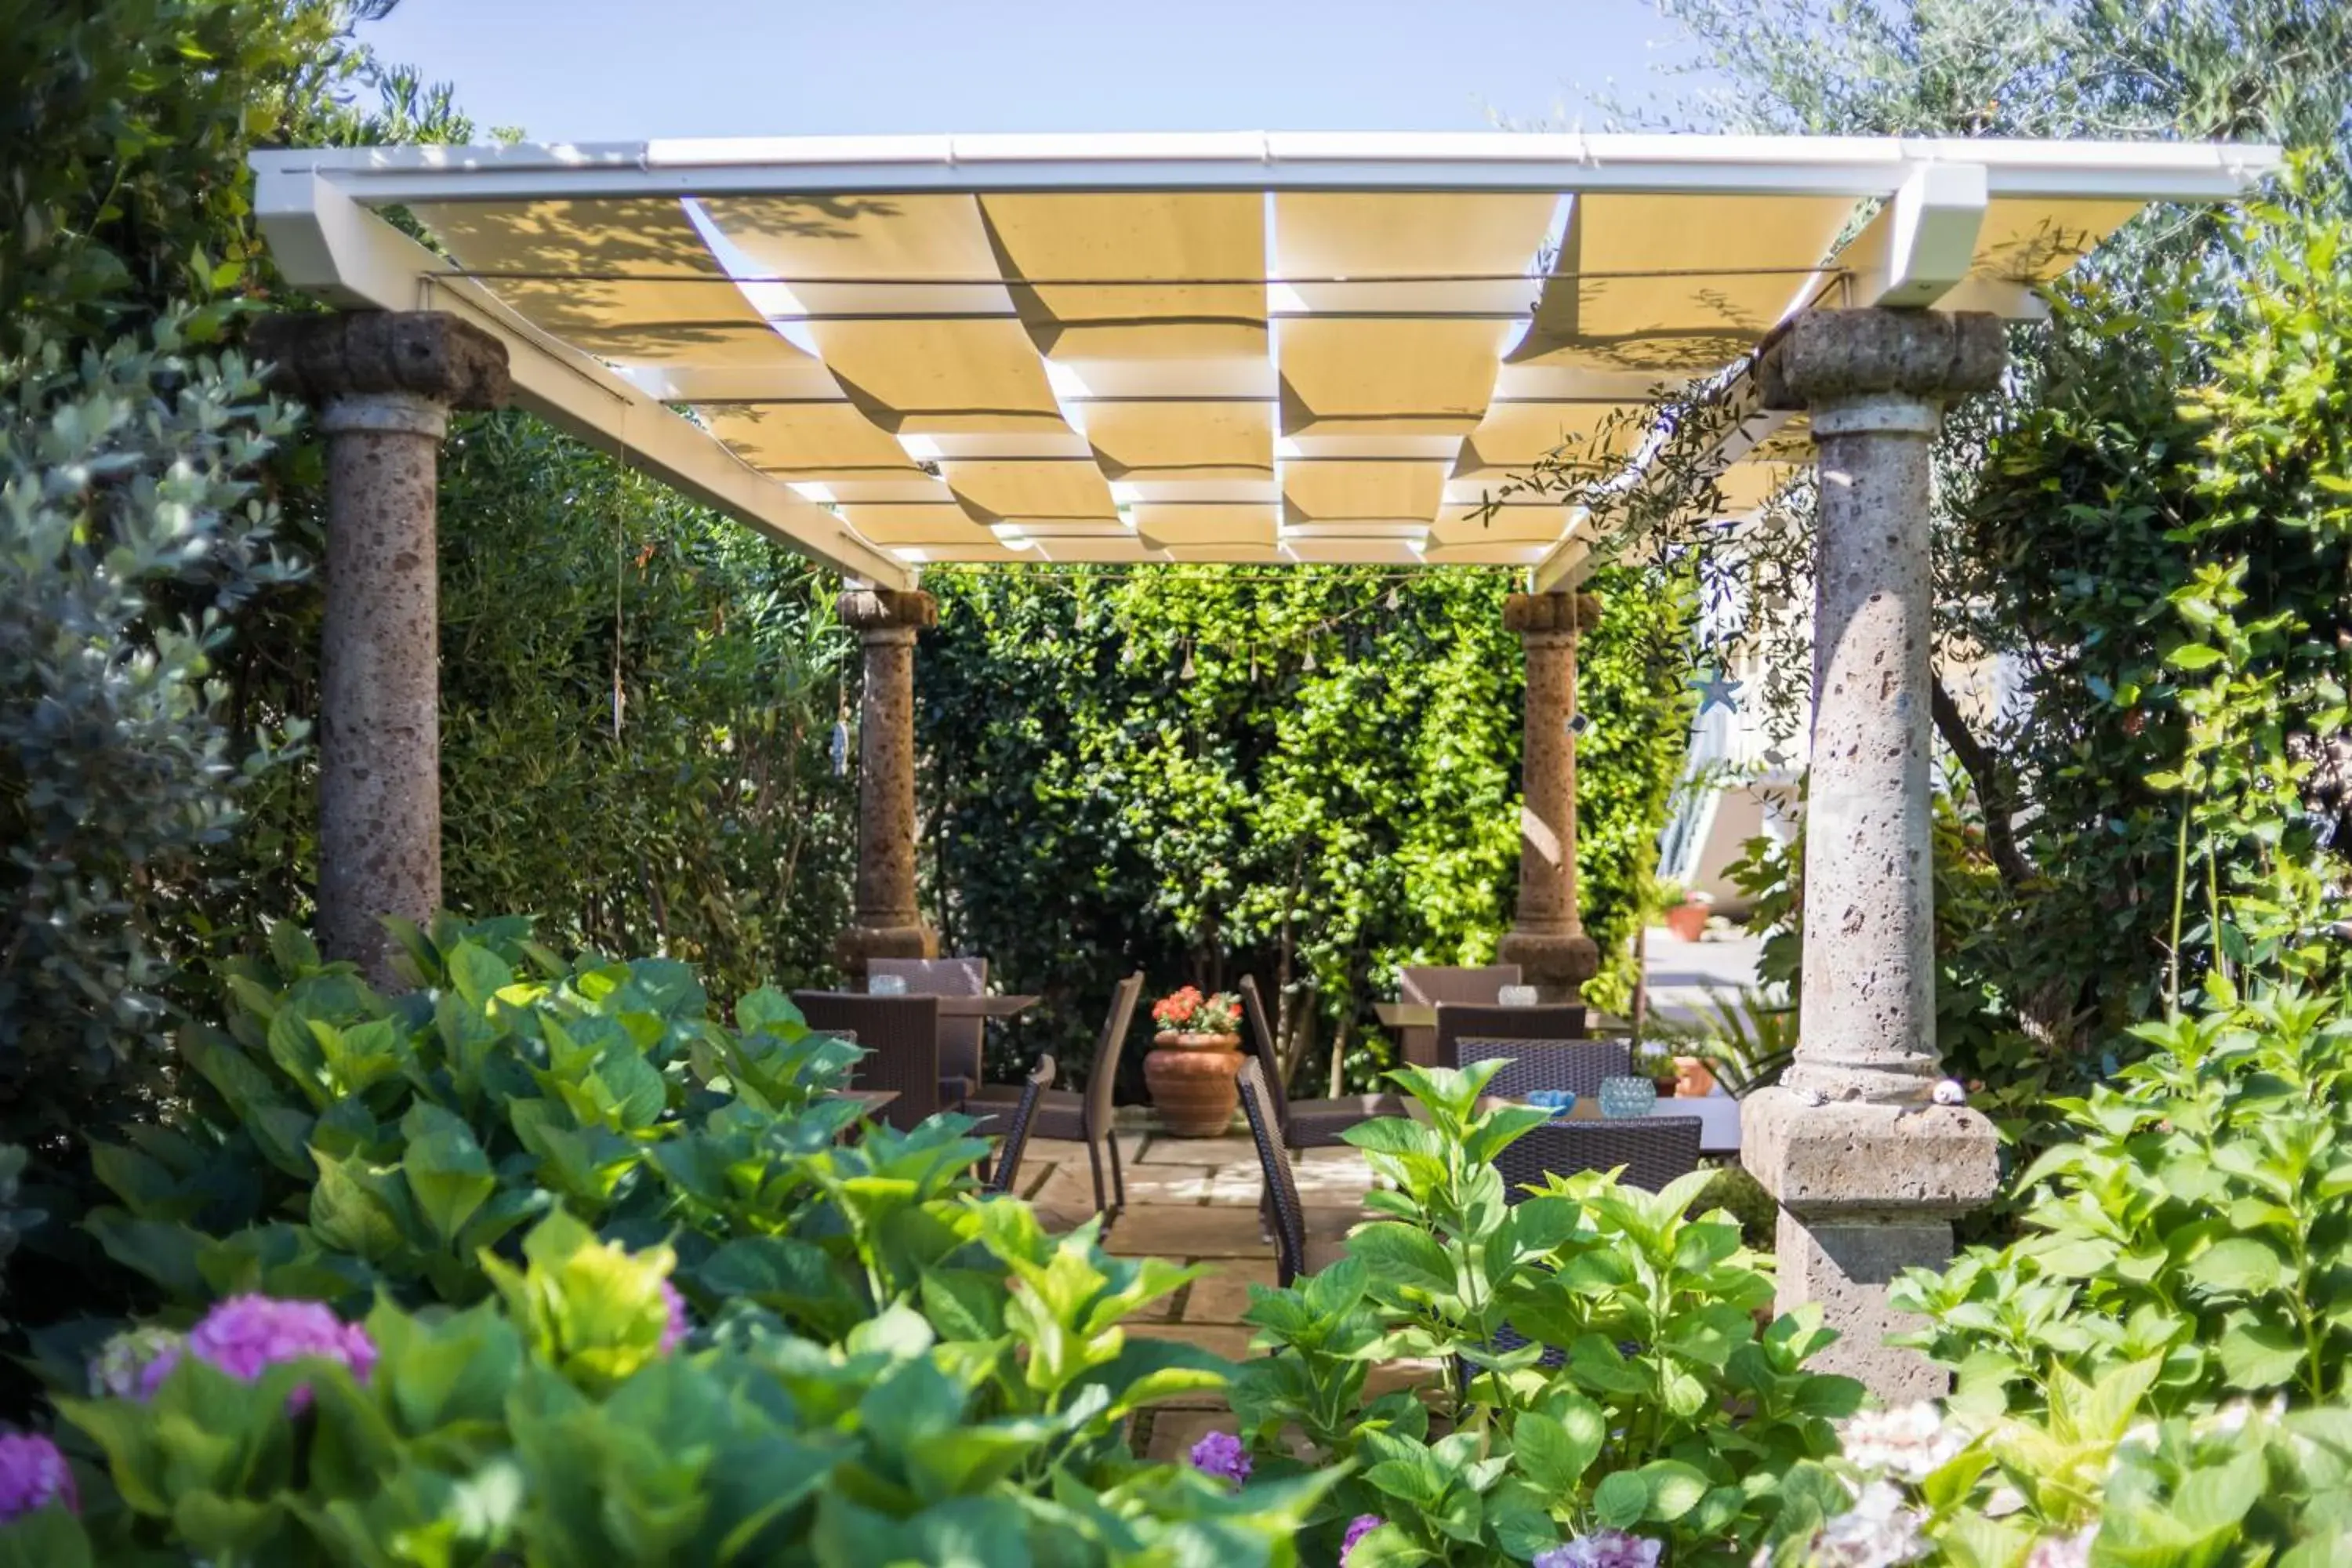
1559, 1101
1627, 1095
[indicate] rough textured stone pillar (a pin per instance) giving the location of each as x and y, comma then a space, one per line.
886, 924
1547, 938
1868, 1171
383, 383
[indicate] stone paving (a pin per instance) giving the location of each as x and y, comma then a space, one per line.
1196, 1200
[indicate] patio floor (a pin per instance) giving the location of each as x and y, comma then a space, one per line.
1196, 1200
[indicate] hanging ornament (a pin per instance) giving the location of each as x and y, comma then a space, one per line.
1253, 666
1391, 601
1717, 690
838, 747
1186, 673
1309, 663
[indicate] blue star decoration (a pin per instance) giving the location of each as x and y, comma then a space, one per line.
1717, 688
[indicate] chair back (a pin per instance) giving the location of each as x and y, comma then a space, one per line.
1281, 1184
1104, 1076
1578, 1066
1269, 1056
1459, 1021
960, 1038
1653, 1151
1017, 1137
901, 1036
1430, 985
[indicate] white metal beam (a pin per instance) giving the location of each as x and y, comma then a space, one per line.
1258, 161
328, 244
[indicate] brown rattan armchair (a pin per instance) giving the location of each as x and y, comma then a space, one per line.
1305, 1123
960, 1040
1577, 1066
1078, 1117
901, 1037
1458, 1021
1295, 1252
1015, 1142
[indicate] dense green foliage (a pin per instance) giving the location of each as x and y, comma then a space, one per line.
1306, 775
897, 1363
1658, 1313
129, 526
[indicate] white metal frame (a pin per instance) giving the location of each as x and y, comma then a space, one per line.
314, 209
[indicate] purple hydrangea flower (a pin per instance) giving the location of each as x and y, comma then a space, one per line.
131, 1364
33, 1475
681, 1322
1603, 1549
1360, 1526
246, 1335
1220, 1454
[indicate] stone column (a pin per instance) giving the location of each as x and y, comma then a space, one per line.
886, 924
383, 383
1867, 1169
1547, 939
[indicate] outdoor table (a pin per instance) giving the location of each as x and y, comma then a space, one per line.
1403, 1016
1718, 1115
985, 1007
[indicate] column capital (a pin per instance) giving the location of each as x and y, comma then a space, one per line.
427, 354
888, 613
1550, 614
1889, 358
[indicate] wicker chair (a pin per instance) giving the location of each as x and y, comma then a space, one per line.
1434, 986
1017, 1137
1295, 1253
901, 1036
1305, 1123
1653, 1151
1578, 1066
1078, 1117
1458, 1021
960, 1040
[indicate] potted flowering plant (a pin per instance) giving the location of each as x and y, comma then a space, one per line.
1194, 1058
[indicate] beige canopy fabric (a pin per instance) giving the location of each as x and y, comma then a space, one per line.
908, 351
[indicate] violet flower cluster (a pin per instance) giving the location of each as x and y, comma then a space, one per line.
1220, 1454
1909, 1442
1603, 1549
244, 1336
1360, 1526
681, 1322
33, 1475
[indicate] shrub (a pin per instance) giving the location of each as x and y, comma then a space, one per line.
1675, 1407
130, 526
558, 1423
2198, 1221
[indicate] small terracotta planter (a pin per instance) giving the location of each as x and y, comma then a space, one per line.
1693, 1078
1192, 1082
1687, 921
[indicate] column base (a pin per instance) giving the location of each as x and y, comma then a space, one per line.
1557, 964
1866, 1191
860, 943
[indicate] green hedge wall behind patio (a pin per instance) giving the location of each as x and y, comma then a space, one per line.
1089, 806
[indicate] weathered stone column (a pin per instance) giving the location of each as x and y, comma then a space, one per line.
886, 924
1547, 938
1868, 1171
383, 383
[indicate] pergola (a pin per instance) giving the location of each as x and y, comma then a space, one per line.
887, 352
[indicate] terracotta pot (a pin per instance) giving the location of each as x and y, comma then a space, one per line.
1687, 921
1693, 1078
1192, 1081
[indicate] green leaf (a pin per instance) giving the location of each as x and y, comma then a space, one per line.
1554, 1451
1620, 1499
2240, 1266
2194, 656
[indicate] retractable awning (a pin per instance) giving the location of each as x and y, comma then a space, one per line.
890, 352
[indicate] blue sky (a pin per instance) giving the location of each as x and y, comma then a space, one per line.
629, 69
